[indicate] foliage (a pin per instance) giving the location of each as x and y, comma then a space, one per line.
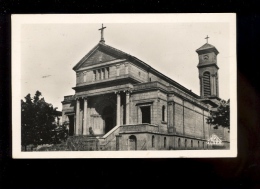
37, 117
220, 116
75, 143
60, 134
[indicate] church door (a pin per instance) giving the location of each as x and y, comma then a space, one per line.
108, 124
108, 116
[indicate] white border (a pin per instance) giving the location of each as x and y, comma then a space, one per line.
18, 20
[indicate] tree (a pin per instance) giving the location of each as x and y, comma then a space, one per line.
37, 118
220, 116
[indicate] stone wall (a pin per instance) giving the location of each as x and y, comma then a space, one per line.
138, 73
67, 107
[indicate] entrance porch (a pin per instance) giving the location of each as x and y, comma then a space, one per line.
97, 115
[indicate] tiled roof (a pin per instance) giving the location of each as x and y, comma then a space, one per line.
207, 46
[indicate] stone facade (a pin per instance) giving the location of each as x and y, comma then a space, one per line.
131, 106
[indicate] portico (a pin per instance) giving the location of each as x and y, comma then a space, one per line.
102, 112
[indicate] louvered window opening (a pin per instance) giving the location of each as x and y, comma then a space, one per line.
101, 74
206, 84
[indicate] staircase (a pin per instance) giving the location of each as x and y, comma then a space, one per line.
108, 141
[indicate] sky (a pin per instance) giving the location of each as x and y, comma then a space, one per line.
50, 50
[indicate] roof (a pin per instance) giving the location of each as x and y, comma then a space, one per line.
103, 46
123, 55
207, 47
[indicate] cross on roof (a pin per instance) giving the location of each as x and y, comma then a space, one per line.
102, 37
207, 38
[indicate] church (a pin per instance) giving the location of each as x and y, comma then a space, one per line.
122, 103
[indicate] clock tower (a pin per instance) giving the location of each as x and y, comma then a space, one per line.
208, 71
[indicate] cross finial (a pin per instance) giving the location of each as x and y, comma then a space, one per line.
207, 38
102, 35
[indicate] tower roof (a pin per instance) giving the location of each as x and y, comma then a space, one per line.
207, 48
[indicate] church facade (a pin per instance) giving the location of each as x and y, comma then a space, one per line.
123, 103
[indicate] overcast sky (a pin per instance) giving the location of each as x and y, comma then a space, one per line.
49, 52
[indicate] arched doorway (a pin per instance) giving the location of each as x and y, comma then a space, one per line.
108, 116
132, 143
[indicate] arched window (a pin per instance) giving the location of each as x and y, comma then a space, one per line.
179, 143
185, 143
191, 143
164, 142
163, 113
152, 141
206, 84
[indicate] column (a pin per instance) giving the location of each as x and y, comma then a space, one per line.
127, 107
200, 78
170, 114
118, 108
77, 117
85, 116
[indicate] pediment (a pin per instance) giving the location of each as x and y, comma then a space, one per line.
98, 56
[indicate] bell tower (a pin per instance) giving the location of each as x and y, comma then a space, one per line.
208, 70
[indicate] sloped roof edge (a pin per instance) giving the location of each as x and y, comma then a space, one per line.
85, 57
207, 46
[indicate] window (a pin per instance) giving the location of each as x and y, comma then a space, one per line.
164, 142
191, 143
139, 73
94, 75
198, 144
153, 141
107, 72
102, 73
203, 145
150, 79
179, 143
146, 114
185, 143
206, 84
99, 74
163, 113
